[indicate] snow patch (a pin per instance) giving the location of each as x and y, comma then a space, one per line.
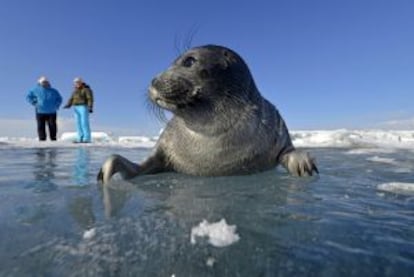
353, 138
382, 160
96, 137
397, 187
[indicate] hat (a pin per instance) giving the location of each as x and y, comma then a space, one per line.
78, 80
42, 79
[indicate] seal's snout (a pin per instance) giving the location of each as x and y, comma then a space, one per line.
152, 93
177, 88
170, 92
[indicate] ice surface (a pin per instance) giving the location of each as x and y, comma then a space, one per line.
143, 227
219, 234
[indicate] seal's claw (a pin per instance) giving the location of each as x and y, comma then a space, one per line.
99, 177
314, 168
299, 163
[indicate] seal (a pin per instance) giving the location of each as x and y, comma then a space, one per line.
221, 124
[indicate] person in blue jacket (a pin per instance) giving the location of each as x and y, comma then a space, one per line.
46, 101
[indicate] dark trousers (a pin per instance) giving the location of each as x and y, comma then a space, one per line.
41, 125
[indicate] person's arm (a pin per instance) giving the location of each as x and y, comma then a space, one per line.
58, 100
89, 99
69, 103
31, 98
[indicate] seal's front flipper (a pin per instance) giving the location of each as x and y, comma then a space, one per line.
299, 163
118, 164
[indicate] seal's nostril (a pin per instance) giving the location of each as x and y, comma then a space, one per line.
153, 82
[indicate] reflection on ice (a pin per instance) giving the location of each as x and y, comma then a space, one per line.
44, 171
81, 167
81, 210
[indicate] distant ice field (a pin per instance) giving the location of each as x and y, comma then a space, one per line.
317, 138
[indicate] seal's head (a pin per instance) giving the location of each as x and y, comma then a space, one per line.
203, 78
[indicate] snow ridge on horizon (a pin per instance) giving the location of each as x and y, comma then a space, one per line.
341, 138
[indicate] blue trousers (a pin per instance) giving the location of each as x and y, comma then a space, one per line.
82, 123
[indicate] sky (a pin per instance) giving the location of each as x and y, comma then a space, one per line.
325, 64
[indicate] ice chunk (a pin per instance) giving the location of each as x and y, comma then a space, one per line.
88, 234
219, 234
96, 136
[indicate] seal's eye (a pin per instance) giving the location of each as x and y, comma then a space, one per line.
188, 62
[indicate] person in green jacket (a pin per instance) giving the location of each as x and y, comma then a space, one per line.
82, 101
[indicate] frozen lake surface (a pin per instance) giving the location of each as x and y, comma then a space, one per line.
355, 219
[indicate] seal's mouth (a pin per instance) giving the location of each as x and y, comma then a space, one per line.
168, 105
170, 102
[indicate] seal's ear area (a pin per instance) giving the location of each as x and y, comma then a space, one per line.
228, 58
204, 74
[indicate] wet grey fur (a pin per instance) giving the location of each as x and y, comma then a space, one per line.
221, 124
